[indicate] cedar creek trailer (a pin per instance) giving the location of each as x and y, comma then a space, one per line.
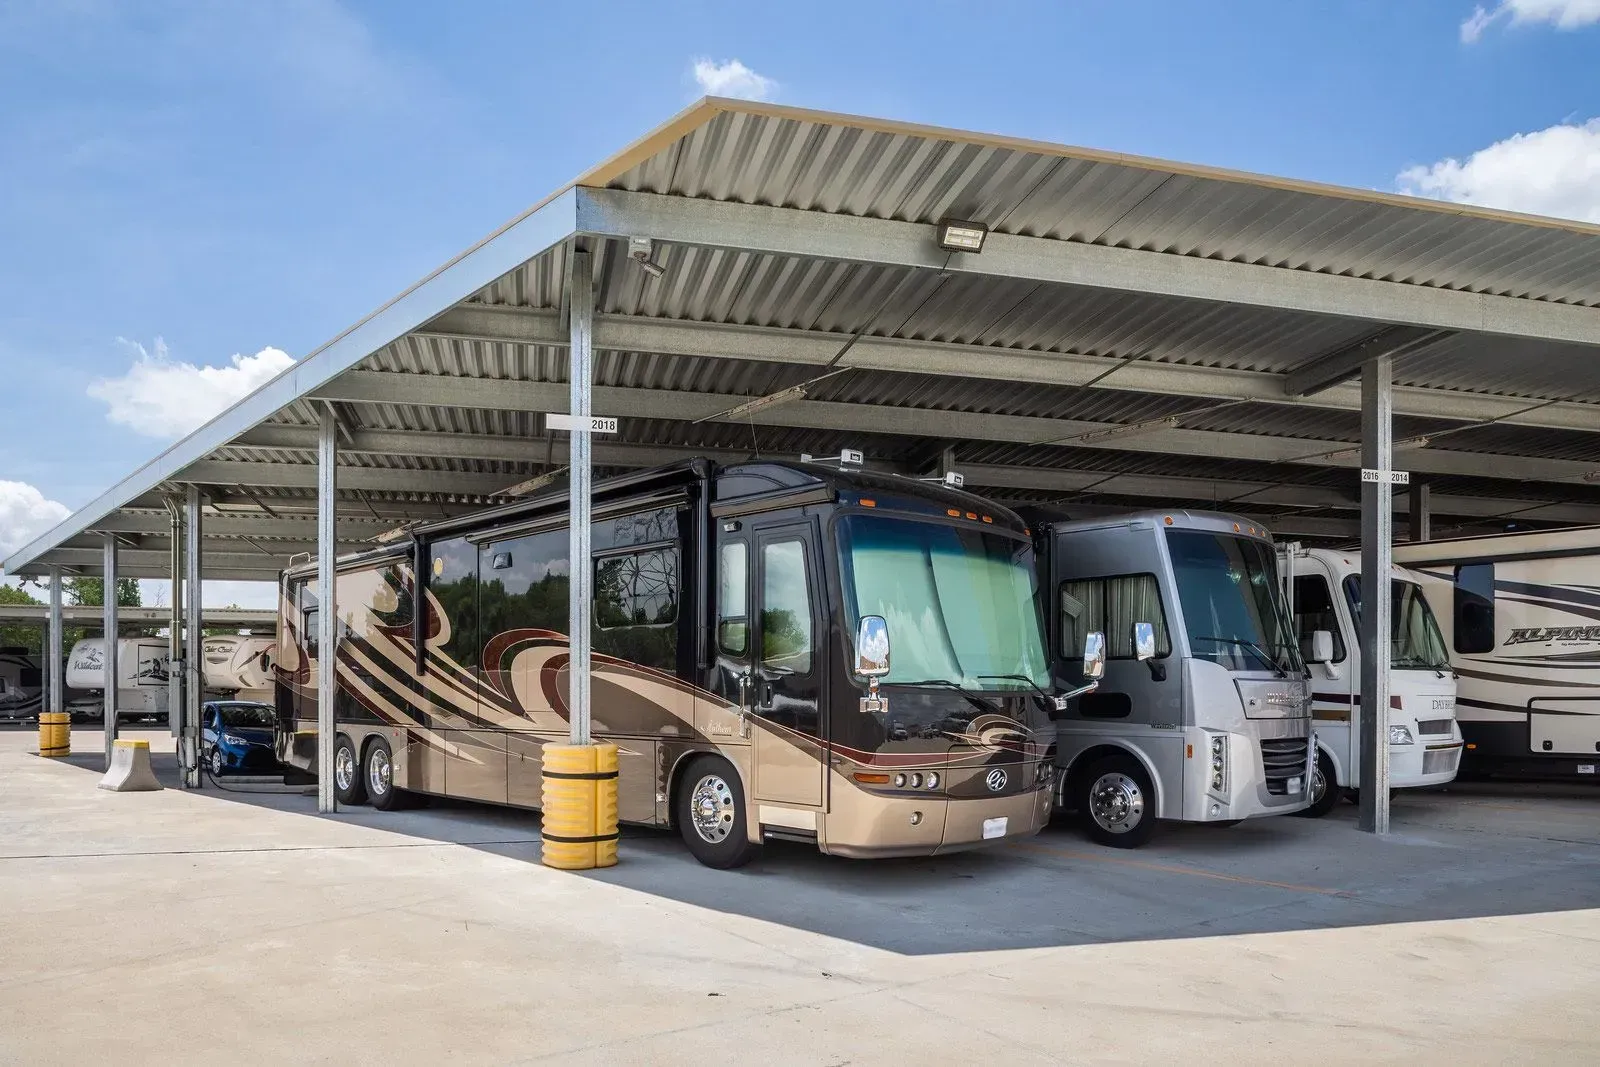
143, 667
21, 683
1324, 587
239, 667
742, 617
1521, 617
1203, 714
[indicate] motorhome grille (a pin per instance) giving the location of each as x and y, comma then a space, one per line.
1283, 758
1438, 760
1433, 726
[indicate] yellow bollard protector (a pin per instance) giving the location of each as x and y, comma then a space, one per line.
579, 796
55, 734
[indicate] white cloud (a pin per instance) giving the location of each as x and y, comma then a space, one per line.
1562, 14
25, 513
1554, 171
159, 397
732, 78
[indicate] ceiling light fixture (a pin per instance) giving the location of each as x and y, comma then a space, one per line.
1112, 433
532, 485
642, 251
955, 235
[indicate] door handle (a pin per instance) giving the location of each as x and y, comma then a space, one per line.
744, 704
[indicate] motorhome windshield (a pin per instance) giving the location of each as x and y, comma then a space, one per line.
1233, 607
1417, 643
959, 601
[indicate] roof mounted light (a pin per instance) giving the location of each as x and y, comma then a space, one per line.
850, 457
956, 235
532, 485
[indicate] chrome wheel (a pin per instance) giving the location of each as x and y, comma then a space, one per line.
344, 767
380, 773
1319, 784
711, 809
1116, 803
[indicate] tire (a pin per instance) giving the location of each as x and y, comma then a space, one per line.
378, 774
710, 814
215, 761
1117, 802
349, 779
1324, 801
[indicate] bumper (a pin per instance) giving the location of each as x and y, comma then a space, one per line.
883, 826
253, 758
1429, 763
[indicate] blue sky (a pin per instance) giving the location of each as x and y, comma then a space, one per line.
185, 182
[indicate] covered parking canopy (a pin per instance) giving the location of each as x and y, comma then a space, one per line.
1132, 332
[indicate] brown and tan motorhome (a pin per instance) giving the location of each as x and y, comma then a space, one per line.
729, 605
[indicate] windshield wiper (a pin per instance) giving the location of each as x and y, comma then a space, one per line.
1049, 701
1252, 646
972, 698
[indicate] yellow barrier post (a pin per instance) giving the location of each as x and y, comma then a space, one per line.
55, 734
579, 789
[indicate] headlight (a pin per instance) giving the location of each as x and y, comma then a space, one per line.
899, 781
1219, 763
234, 739
933, 780
1401, 735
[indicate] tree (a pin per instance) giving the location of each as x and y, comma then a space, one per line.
20, 634
93, 591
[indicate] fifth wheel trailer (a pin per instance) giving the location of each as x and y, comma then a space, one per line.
143, 666
21, 683
1521, 615
796, 650
1324, 588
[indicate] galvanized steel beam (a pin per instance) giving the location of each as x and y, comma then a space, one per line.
619, 213
580, 604
54, 646
108, 571
1168, 375
1377, 554
1325, 371
194, 686
327, 605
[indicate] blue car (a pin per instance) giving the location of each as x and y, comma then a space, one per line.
236, 737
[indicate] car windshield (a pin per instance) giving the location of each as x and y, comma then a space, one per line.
247, 714
1416, 641
959, 601
1233, 606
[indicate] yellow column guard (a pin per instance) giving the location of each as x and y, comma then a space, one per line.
55, 733
580, 806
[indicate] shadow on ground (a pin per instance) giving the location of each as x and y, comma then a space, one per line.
1466, 851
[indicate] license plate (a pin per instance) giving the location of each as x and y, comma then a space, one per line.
1585, 768
993, 828
1296, 785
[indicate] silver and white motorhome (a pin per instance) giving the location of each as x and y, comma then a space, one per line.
1520, 614
142, 672
1203, 713
1324, 588
21, 683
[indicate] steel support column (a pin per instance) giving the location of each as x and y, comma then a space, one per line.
1420, 524
109, 600
175, 633
327, 603
194, 655
1377, 545
53, 647
580, 294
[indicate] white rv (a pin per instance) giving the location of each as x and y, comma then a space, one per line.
21, 684
143, 666
1202, 714
234, 668
1424, 741
1521, 616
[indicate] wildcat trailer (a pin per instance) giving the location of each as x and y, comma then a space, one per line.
743, 622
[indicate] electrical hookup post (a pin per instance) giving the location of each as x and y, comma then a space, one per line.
579, 785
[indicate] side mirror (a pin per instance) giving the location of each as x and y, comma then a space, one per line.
1094, 654
1144, 641
1321, 646
872, 647
1094, 668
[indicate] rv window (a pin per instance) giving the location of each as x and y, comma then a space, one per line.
1314, 610
453, 583
309, 628
1112, 606
636, 607
1474, 608
529, 593
733, 628
785, 608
